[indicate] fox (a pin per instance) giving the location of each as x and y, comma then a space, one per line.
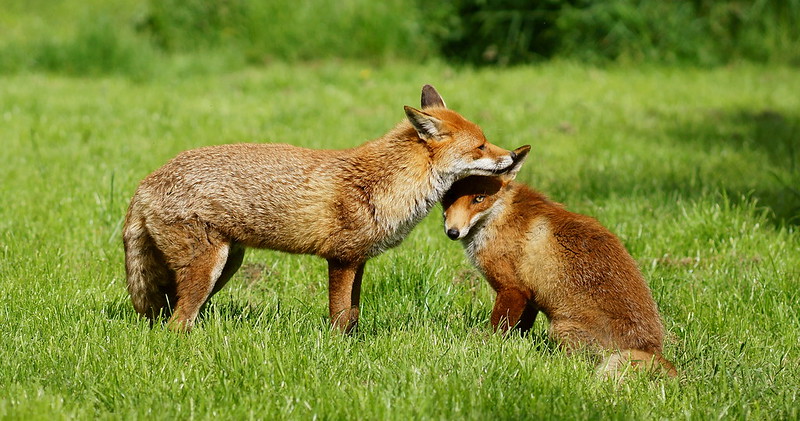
539, 257
190, 221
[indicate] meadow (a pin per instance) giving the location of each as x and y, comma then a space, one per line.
697, 171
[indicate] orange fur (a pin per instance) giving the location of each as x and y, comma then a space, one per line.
538, 256
190, 221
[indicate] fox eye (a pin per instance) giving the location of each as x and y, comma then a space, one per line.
478, 199
482, 147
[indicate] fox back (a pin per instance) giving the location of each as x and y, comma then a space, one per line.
333, 203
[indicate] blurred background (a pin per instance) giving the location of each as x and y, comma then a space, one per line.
134, 37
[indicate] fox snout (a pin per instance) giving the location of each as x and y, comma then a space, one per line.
506, 163
457, 229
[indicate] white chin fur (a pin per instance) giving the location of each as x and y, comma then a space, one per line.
477, 237
486, 166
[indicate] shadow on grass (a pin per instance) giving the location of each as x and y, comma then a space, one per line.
774, 134
233, 311
236, 313
231, 305
719, 143
118, 309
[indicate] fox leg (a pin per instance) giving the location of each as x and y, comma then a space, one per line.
528, 317
513, 308
344, 293
195, 283
355, 294
235, 258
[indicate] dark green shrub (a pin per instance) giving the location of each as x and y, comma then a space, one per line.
227, 34
765, 30
498, 32
660, 31
704, 32
181, 25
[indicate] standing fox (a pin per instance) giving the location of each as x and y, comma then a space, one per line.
189, 221
540, 257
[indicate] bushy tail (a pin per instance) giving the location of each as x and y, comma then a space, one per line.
148, 276
617, 363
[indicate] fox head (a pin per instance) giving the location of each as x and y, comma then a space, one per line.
457, 146
471, 200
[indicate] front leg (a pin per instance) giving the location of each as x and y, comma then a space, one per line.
528, 317
513, 308
344, 293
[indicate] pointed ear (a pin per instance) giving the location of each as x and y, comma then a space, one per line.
519, 157
427, 126
431, 98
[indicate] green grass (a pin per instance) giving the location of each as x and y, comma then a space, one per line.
696, 170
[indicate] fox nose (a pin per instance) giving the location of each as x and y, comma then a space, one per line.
452, 233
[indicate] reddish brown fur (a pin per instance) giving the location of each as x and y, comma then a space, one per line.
190, 220
538, 256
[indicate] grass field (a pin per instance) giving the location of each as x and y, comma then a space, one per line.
697, 171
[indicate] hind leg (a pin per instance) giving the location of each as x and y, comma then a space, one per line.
235, 258
195, 282
164, 301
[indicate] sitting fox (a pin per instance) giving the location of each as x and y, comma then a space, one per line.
189, 221
538, 256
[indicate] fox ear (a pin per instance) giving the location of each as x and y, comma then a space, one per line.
431, 98
427, 126
519, 157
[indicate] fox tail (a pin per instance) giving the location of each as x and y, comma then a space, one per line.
148, 277
616, 364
